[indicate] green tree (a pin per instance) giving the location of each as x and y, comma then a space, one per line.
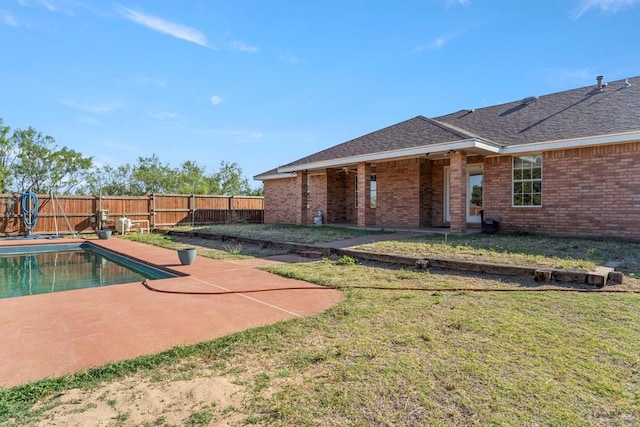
192, 179
229, 180
34, 163
152, 176
113, 181
7, 158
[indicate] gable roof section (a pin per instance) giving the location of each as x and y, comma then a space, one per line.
577, 113
416, 132
586, 115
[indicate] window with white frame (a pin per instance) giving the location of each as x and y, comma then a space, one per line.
373, 194
527, 180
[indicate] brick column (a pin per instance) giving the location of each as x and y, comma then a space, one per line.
458, 188
301, 190
364, 195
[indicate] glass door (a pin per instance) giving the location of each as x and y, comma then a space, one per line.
474, 192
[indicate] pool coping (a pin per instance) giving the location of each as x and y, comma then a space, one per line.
143, 269
49, 335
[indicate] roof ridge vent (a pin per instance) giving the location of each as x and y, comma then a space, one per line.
601, 85
529, 99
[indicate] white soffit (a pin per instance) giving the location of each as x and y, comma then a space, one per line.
274, 176
474, 144
467, 144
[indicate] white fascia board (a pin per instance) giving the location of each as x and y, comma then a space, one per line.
396, 154
274, 176
563, 144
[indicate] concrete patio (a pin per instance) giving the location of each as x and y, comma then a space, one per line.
50, 335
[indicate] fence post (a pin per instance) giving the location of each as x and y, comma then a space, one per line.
192, 209
152, 210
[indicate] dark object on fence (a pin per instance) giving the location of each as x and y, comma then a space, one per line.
489, 225
29, 207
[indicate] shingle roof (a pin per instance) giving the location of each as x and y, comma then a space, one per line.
575, 113
571, 114
414, 132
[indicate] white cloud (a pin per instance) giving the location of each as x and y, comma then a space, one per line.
216, 100
236, 45
605, 6
164, 115
47, 4
52, 7
457, 2
119, 146
436, 44
153, 82
88, 121
99, 108
7, 19
560, 78
158, 24
289, 58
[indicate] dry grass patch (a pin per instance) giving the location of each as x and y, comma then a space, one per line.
288, 233
539, 250
208, 248
383, 357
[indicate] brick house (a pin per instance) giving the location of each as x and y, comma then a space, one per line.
564, 163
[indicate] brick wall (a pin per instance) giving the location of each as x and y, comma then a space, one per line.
399, 193
426, 193
281, 201
317, 200
437, 192
458, 183
336, 196
587, 191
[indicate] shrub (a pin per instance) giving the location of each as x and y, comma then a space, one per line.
346, 260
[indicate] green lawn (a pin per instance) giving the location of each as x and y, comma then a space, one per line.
562, 252
398, 357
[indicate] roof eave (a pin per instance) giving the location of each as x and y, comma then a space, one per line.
564, 144
475, 144
266, 177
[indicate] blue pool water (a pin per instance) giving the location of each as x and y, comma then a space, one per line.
39, 269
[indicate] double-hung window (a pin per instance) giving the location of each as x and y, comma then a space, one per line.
527, 180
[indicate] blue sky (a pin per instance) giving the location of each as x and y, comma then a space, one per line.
265, 82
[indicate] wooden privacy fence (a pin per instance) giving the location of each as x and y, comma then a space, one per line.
68, 214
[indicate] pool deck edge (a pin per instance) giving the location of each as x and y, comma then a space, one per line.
50, 335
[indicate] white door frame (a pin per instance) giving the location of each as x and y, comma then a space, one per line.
447, 195
471, 169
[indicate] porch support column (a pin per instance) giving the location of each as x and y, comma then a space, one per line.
301, 193
458, 208
365, 216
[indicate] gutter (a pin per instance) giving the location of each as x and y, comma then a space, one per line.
475, 144
424, 150
563, 144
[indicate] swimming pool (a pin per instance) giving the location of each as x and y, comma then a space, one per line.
40, 269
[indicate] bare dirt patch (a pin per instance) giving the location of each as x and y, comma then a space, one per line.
208, 400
